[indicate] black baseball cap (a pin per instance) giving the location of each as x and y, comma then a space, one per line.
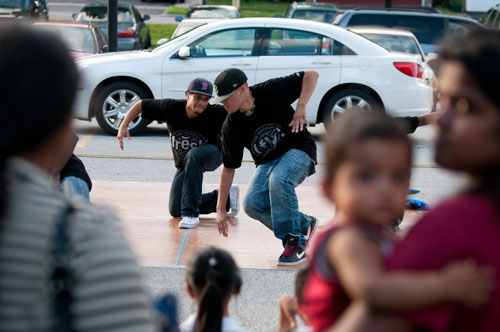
201, 86
227, 82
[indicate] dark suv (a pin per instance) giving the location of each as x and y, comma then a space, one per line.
29, 10
429, 28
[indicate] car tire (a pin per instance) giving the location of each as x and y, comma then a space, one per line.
113, 103
148, 42
344, 99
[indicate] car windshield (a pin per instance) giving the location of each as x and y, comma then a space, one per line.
392, 43
76, 39
21, 4
176, 40
100, 14
213, 13
314, 15
183, 29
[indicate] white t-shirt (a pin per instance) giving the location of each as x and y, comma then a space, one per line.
228, 324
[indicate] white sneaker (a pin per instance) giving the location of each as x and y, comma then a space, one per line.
189, 222
234, 200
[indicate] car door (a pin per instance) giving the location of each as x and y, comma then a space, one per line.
286, 51
209, 55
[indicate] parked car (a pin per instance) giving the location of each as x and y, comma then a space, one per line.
353, 71
213, 11
81, 38
133, 33
427, 27
29, 10
491, 18
402, 41
320, 12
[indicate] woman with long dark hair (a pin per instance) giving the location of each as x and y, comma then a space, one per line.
64, 264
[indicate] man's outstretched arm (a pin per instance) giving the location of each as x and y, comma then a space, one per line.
308, 85
226, 179
131, 115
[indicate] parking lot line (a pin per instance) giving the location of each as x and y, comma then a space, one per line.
119, 156
85, 139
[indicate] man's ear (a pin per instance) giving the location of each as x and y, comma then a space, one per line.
243, 89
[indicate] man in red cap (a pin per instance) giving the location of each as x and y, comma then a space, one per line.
194, 128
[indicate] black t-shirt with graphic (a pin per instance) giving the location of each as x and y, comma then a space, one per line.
186, 133
266, 133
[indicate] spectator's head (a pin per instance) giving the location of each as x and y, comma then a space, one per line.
212, 278
231, 87
38, 82
368, 158
468, 131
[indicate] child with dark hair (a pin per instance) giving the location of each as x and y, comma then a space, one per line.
368, 159
212, 278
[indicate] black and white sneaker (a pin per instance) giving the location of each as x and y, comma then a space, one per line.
309, 231
293, 254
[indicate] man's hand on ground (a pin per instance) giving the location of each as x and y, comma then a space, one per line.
121, 133
222, 220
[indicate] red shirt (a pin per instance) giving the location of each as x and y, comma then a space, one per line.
324, 296
463, 227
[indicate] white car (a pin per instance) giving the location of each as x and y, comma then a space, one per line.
402, 41
353, 71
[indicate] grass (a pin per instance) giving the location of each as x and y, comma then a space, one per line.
158, 31
247, 8
446, 10
177, 10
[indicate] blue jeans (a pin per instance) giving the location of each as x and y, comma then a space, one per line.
271, 197
74, 186
186, 198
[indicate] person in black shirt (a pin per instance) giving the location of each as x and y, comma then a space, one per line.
194, 128
262, 120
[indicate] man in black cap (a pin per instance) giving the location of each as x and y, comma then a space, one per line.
262, 119
194, 128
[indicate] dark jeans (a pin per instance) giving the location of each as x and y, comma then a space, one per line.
186, 198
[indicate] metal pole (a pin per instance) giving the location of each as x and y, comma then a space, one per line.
112, 25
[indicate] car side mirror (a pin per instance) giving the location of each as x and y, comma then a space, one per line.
146, 17
162, 41
184, 52
178, 18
